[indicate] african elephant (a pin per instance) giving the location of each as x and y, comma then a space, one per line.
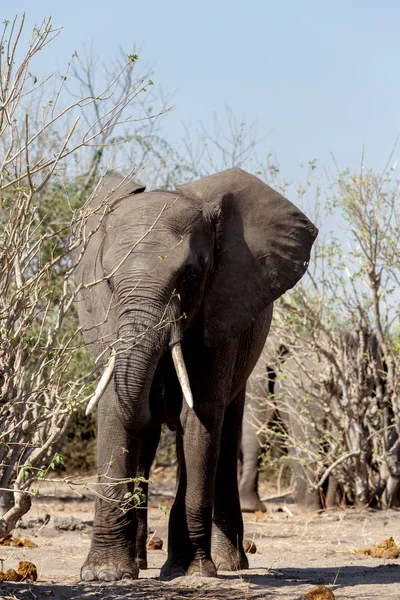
181, 310
284, 386
260, 410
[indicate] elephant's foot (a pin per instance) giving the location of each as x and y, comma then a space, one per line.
141, 562
202, 567
251, 503
111, 565
226, 555
233, 561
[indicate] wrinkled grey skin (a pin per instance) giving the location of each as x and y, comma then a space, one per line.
222, 250
287, 379
259, 410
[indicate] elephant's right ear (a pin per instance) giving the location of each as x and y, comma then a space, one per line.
112, 189
108, 192
263, 245
104, 199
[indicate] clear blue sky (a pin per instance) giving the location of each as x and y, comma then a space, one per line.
318, 76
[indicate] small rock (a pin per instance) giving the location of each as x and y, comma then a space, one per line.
68, 523
154, 543
34, 523
27, 570
249, 547
320, 592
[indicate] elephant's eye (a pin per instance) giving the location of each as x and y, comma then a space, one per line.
190, 276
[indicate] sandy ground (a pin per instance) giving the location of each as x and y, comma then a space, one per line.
294, 553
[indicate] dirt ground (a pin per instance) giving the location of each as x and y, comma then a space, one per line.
294, 553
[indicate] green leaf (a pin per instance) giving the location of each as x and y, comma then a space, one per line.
163, 508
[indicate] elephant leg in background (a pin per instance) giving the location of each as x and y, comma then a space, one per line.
307, 499
301, 449
147, 454
333, 493
251, 447
302, 446
250, 451
112, 552
227, 534
258, 411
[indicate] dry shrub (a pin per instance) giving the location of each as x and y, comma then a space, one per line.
340, 327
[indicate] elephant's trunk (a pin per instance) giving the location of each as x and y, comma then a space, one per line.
181, 372
137, 355
143, 338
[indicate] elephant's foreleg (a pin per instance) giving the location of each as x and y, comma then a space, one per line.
112, 551
227, 536
147, 454
190, 523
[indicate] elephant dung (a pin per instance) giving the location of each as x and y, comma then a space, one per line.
249, 547
320, 592
27, 570
9, 540
154, 543
10, 575
385, 549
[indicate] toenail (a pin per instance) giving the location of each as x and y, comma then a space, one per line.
108, 575
87, 575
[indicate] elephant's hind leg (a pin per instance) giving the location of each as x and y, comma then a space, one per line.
227, 536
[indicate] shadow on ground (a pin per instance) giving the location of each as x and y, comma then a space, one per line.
272, 584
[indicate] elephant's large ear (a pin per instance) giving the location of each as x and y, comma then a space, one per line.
263, 245
96, 300
112, 189
107, 194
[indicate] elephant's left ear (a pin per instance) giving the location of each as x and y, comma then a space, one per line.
263, 245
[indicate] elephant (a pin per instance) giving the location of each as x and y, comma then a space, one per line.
259, 410
174, 295
275, 392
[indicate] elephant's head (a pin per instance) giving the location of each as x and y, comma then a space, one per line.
221, 249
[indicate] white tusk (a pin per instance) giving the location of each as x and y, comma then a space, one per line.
102, 385
181, 372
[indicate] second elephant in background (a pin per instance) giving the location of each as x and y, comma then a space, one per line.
275, 399
294, 389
